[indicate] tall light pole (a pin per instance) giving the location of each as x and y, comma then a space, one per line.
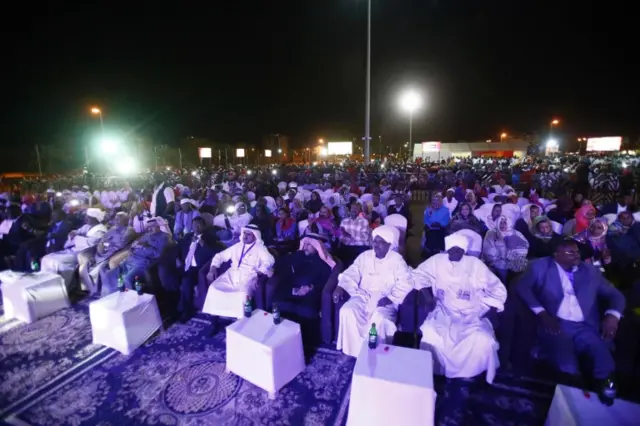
502, 136
552, 123
367, 118
98, 111
410, 101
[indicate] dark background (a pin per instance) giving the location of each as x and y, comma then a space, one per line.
235, 71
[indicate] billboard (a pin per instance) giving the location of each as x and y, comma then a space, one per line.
204, 152
430, 147
239, 152
267, 153
609, 143
340, 148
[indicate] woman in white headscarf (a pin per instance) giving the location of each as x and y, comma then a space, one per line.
504, 249
248, 258
377, 283
65, 261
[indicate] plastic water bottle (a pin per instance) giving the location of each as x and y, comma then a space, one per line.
248, 309
373, 337
609, 391
277, 319
121, 283
35, 267
138, 286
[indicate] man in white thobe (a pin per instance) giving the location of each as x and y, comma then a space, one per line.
377, 282
457, 331
227, 292
65, 261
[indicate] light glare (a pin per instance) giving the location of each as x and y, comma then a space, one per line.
410, 101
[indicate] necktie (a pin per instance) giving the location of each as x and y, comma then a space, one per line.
192, 252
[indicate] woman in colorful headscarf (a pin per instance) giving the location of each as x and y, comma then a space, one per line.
504, 249
542, 240
473, 201
592, 243
584, 217
524, 224
299, 280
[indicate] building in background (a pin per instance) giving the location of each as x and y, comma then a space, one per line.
436, 150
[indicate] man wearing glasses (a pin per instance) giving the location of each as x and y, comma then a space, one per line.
568, 296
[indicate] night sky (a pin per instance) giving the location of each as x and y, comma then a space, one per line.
237, 70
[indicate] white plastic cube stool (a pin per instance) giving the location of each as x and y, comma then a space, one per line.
396, 377
124, 320
29, 297
263, 353
229, 304
570, 407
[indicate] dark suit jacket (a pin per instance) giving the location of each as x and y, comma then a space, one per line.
612, 208
204, 253
58, 237
540, 286
18, 235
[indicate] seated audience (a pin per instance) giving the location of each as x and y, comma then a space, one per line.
377, 282
65, 261
465, 219
401, 208
524, 224
623, 238
436, 220
184, 217
593, 245
504, 249
563, 212
144, 251
624, 203
117, 238
355, 235
248, 258
286, 231
542, 240
457, 331
449, 201
568, 296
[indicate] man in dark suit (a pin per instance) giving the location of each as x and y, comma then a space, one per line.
566, 295
195, 250
20, 230
49, 241
624, 204
401, 208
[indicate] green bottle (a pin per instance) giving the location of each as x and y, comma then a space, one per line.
373, 337
120, 283
248, 309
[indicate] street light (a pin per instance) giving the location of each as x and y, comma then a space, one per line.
320, 141
552, 123
410, 101
98, 112
502, 136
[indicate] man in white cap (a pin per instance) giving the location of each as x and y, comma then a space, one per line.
457, 331
64, 262
449, 202
184, 218
248, 258
377, 282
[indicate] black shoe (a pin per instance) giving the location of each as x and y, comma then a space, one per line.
184, 318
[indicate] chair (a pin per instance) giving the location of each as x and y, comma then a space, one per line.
485, 200
610, 218
550, 207
522, 202
366, 198
302, 227
557, 227
399, 222
475, 248
636, 216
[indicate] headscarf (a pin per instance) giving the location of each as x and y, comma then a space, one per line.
509, 231
96, 214
288, 222
526, 214
617, 228
161, 222
582, 222
320, 248
388, 233
585, 236
456, 240
536, 231
190, 201
255, 231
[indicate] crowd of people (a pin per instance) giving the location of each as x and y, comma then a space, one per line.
493, 231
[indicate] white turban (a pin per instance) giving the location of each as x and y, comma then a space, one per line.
96, 214
452, 190
456, 240
190, 201
282, 185
388, 233
255, 231
161, 222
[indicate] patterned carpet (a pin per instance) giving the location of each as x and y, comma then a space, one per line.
52, 375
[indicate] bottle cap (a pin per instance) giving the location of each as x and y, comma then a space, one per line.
373, 324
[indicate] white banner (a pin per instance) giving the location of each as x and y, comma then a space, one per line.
610, 143
340, 148
239, 152
267, 153
204, 152
430, 147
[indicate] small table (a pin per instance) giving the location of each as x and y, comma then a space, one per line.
392, 385
29, 297
263, 353
571, 407
124, 320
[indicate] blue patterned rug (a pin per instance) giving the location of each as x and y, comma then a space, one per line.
58, 377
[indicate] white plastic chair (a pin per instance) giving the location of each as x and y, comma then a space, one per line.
302, 226
485, 200
483, 212
522, 202
366, 198
400, 223
556, 226
512, 210
475, 240
611, 217
636, 216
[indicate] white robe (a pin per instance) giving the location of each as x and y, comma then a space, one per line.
227, 293
65, 261
451, 205
367, 281
463, 343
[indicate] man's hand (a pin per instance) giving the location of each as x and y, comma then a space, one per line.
384, 302
549, 323
212, 275
338, 294
609, 327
